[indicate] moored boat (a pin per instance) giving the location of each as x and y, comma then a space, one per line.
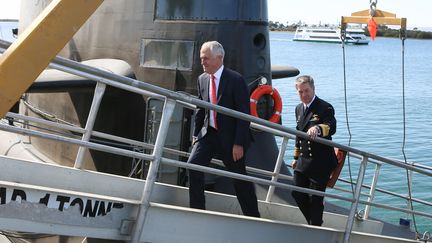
332, 34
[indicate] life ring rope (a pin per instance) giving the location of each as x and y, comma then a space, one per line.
266, 90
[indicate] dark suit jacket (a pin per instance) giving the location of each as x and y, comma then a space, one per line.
316, 160
232, 93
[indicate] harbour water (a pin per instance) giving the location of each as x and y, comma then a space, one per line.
374, 93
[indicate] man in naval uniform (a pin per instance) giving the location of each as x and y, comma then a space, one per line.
219, 134
313, 162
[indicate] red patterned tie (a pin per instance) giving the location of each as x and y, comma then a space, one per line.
213, 97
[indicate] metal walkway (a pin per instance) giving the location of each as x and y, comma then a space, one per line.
50, 203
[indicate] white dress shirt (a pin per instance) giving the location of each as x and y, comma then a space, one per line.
217, 75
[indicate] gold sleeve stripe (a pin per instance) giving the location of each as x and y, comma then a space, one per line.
296, 152
325, 129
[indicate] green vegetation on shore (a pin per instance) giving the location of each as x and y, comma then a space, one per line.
383, 30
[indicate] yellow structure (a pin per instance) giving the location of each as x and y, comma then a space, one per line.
380, 17
28, 56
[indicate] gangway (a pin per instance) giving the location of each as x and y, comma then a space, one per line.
47, 198
50, 203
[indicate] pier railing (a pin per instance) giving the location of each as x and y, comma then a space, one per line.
170, 100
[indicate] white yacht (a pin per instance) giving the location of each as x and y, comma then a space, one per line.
331, 35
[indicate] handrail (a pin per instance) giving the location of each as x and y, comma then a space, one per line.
281, 185
354, 205
128, 153
167, 113
130, 142
106, 77
171, 98
390, 193
187, 154
190, 99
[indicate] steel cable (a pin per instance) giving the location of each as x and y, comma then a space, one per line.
402, 36
343, 37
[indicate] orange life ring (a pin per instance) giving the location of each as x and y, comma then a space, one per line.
266, 90
340, 155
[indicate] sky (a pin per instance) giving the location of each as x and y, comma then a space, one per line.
9, 9
417, 12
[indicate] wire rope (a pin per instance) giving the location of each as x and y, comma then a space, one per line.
409, 179
402, 36
343, 37
372, 7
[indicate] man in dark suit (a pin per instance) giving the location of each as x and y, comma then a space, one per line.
313, 162
218, 134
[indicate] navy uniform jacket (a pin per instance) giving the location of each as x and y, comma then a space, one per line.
315, 160
232, 93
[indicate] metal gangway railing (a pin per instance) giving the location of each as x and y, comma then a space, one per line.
170, 100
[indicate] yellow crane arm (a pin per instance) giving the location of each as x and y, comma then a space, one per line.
31, 53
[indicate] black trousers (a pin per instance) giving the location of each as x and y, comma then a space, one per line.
202, 153
312, 206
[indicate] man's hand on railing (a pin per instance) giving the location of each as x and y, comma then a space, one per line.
313, 132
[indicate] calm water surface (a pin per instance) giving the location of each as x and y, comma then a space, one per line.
374, 90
